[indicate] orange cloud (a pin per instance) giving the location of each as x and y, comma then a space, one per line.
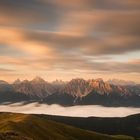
69, 38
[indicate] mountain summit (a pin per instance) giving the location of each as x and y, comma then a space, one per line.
38, 80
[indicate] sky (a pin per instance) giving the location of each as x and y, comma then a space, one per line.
60, 39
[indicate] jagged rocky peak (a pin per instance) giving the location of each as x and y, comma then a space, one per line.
96, 82
25, 81
77, 80
58, 82
100, 86
37, 87
38, 79
3, 82
99, 80
77, 87
17, 81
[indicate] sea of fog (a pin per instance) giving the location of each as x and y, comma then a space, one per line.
74, 111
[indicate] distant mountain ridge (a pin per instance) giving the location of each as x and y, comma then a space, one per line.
76, 91
121, 82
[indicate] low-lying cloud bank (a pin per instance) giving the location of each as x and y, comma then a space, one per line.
75, 111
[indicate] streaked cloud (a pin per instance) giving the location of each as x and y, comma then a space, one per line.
70, 38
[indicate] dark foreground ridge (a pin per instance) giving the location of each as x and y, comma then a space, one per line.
126, 125
43, 127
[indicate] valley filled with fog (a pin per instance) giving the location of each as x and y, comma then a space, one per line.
74, 111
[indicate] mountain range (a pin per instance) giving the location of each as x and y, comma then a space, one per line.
76, 91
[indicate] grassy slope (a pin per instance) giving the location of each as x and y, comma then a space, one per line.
38, 128
13, 136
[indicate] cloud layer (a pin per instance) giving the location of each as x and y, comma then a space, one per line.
74, 111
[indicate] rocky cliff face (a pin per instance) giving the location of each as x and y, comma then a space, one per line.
81, 88
36, 88
100, 86
76, 88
